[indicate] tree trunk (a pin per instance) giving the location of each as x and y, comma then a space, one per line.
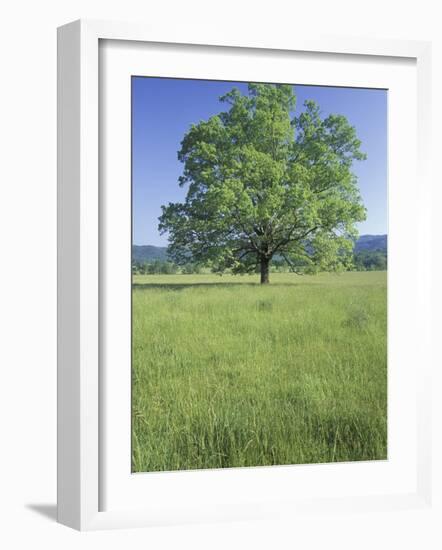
265, 263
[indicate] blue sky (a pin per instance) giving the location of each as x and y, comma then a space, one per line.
163, 110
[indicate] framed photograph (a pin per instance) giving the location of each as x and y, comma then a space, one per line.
242, 330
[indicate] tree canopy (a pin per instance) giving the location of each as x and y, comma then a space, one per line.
265, 182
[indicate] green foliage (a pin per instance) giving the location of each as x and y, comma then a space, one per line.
155, 267
264, 182
228, 373
162, 267
189, 269
370, 260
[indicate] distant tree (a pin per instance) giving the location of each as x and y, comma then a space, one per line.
190, 268
157, 267
169, 268
264, 182
371, 260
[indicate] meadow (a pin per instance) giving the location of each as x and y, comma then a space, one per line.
229, 373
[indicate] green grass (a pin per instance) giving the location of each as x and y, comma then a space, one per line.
230, 373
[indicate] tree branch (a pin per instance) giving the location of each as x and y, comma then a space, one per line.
289, 239
293, 268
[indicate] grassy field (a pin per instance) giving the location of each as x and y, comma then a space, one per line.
229, 373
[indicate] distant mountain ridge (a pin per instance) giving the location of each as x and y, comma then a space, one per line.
371, 243
150, 253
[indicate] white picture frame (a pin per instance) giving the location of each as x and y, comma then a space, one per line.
80, 394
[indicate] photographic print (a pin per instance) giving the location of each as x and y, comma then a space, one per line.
259, 274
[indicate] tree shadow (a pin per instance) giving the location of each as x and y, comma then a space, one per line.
183, 286
49, 511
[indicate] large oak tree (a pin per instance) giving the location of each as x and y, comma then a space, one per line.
265, 182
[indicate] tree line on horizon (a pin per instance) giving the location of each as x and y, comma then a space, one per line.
363, 260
